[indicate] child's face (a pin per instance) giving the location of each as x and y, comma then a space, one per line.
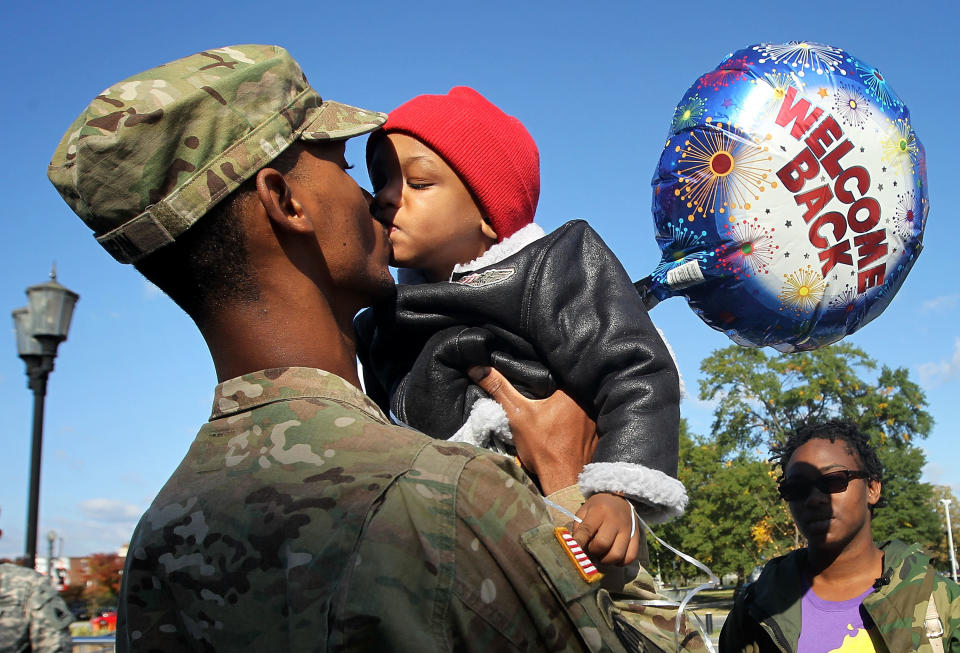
434, 221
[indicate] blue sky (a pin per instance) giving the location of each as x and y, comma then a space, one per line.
596, 86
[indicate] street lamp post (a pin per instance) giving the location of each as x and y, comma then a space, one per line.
51, 538
953, 557
41, 326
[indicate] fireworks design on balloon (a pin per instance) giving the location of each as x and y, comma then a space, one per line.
780, 83
685, 244
801, 290
730, 71
720, 172
899, 147
688, 114
803, 56
904, 216
890, 285
852, 106
877, 86
750, 250
845, 300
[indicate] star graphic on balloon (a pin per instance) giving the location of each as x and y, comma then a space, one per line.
822, 92
788, 223
727, 102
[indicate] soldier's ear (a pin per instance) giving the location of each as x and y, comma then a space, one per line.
873, 492
279, 203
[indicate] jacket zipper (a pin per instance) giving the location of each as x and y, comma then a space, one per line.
776, 634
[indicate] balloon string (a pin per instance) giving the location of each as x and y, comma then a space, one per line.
713, 582
681, 607
559, 508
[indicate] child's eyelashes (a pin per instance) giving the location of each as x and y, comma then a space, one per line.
417, 186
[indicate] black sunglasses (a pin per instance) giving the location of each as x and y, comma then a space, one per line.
798, 489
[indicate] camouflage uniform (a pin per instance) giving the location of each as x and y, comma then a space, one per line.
766, 616
302, 520
33, 617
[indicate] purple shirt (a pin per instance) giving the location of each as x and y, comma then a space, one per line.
834, 625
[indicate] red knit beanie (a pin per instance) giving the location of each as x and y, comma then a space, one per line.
492, 152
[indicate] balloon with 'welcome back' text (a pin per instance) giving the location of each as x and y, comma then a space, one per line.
790, 198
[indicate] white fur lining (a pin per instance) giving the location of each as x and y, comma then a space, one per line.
673, 355
487, 420
664, 495
507, 247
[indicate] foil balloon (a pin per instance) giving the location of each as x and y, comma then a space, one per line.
790, 198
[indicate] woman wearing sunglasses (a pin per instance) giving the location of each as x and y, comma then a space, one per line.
842, 592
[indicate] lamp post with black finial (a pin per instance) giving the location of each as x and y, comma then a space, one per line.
41, 326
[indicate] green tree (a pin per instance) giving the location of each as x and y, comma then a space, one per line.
735, 520
761, 397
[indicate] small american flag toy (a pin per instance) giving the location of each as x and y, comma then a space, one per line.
580, 559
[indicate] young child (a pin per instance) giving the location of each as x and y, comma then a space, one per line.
457, 181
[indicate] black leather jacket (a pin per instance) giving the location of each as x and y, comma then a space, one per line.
561, 312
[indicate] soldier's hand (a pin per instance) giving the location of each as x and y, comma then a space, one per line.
605, 529
554, 437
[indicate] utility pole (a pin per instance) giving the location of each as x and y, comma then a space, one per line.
953, 556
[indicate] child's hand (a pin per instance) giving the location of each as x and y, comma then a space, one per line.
605, 530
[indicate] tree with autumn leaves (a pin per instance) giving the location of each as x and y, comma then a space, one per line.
735, 519
103, 586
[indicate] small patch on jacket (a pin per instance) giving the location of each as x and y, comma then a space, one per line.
576, 554
486, 278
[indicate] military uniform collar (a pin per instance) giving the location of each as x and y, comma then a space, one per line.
250, 391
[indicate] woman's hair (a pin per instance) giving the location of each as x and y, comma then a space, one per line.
858, 444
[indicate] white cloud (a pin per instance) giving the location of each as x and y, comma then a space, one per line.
933, 471
939, 372
99, 526
109, 510
941, 303
86, 536
150, 291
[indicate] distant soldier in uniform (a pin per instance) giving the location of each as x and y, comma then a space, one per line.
33, 617
301, 519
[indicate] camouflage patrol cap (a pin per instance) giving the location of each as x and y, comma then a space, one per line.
152, 154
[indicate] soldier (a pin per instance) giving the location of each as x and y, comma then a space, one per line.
843, 591
33, 617
300, 518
